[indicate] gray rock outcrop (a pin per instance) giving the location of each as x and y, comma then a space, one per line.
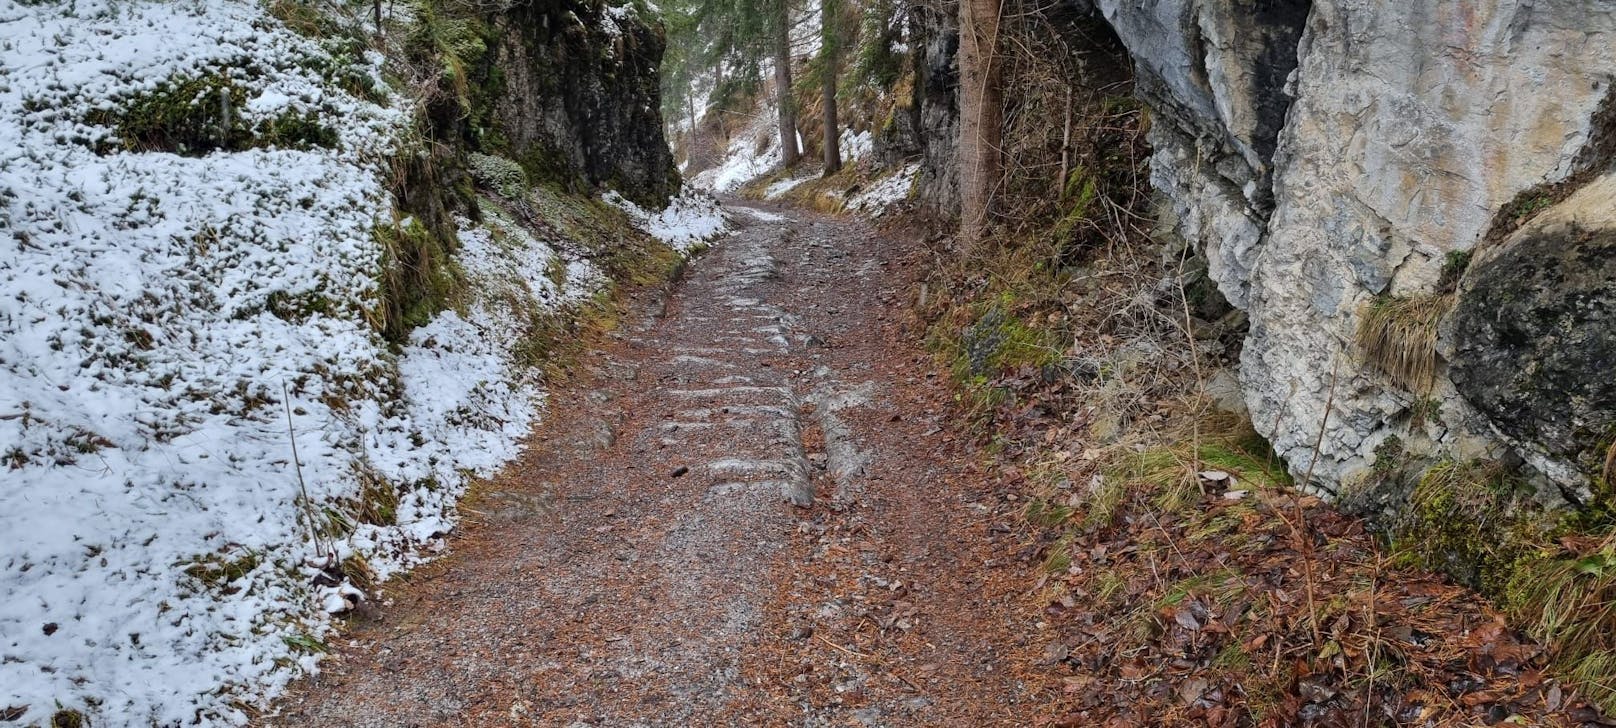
1330, 156
1412, 125
579, 96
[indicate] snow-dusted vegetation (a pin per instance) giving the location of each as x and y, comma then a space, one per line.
209, 439
688, 221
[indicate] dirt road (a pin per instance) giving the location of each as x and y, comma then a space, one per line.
752, 511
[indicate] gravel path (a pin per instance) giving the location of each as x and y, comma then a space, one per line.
752, 510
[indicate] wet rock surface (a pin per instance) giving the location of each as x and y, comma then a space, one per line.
778, 531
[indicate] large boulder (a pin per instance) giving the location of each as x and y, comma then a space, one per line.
1534, 336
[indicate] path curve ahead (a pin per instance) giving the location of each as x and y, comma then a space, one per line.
752, 511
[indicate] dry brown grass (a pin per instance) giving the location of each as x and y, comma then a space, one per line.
1398, 337
1608, 474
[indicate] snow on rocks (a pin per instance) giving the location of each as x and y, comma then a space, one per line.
160, 564
856, 145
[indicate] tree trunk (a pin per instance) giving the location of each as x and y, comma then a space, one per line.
830, 50
690, 134
690, 107
789, 152
981, 116
723, 125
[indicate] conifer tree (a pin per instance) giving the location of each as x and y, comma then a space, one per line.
830, 65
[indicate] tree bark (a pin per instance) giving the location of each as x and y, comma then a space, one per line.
723, 126
981, 117
830, 51
789, 151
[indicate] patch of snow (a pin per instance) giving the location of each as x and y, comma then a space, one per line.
778, 189
856, 145
806, 35
761, 215
612, 21
691, 219
743, 161
752, 152
880, 195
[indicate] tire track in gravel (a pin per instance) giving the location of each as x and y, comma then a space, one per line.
750, 512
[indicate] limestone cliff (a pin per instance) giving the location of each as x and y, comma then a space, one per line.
1337, 157
1412, 126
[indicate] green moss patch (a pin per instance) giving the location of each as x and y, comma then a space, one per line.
418, 277
1552, 571
997, 342
201, 114
1474, 521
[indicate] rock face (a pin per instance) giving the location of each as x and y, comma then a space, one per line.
931, 129
581, 96
1412, 125
1534, 335
1214, 74
1328, 154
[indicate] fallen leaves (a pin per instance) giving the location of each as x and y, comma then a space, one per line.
1269, 608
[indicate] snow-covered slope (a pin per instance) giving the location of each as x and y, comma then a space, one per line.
689, 220
176, 322
751, 153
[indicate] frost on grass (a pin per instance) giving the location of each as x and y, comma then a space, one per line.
691, 219
160, 564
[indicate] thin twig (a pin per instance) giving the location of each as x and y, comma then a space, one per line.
844, 650
297, 465
1301, 517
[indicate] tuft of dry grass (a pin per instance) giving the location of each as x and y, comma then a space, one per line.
1397, 335
1609, 472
